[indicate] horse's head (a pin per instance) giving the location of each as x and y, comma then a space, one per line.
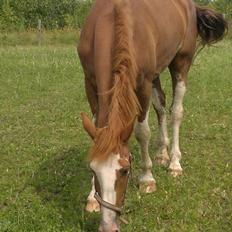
111, 173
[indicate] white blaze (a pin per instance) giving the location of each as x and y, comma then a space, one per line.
106, 174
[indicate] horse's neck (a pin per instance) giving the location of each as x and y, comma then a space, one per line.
103, 111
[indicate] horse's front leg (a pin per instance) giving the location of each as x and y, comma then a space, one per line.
147, 182
92, 204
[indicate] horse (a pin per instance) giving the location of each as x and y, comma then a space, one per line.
124, 47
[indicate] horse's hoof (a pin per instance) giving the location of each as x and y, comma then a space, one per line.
92, 206
147, 187
161, 160
175, 172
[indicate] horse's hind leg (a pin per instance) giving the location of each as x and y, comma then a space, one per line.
158, 101
179, 69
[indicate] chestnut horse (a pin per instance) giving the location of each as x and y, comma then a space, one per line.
124, 46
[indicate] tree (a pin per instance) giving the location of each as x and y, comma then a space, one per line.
53, 13
8, 19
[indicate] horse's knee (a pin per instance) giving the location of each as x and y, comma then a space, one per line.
142, 132
177, 113
177, 107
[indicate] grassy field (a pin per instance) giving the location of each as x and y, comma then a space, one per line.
45, 179
34, 38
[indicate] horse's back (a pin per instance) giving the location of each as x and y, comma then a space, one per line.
160, 29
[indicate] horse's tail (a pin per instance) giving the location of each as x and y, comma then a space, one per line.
211, 25
124, 105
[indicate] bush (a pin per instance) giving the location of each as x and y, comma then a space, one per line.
8, 18
59, 14
224, 6
54, 14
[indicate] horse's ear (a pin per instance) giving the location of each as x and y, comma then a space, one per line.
88, 125
126, 133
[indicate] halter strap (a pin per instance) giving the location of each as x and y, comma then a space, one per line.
107, 204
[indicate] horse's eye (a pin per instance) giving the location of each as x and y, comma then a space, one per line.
124, 171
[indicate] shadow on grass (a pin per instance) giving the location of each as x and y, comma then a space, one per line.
64, 182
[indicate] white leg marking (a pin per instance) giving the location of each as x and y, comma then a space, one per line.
92, 204
177, 115
94, 119
143, 134
162, 157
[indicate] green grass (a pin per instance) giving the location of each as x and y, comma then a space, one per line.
32, 37
45, 179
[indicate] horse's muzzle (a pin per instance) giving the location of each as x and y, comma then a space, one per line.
109, 228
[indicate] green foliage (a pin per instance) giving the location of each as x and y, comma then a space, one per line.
8, 18
53, 13
202, 2
224, 6
18, 14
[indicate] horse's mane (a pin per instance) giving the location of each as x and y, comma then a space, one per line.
124, 103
